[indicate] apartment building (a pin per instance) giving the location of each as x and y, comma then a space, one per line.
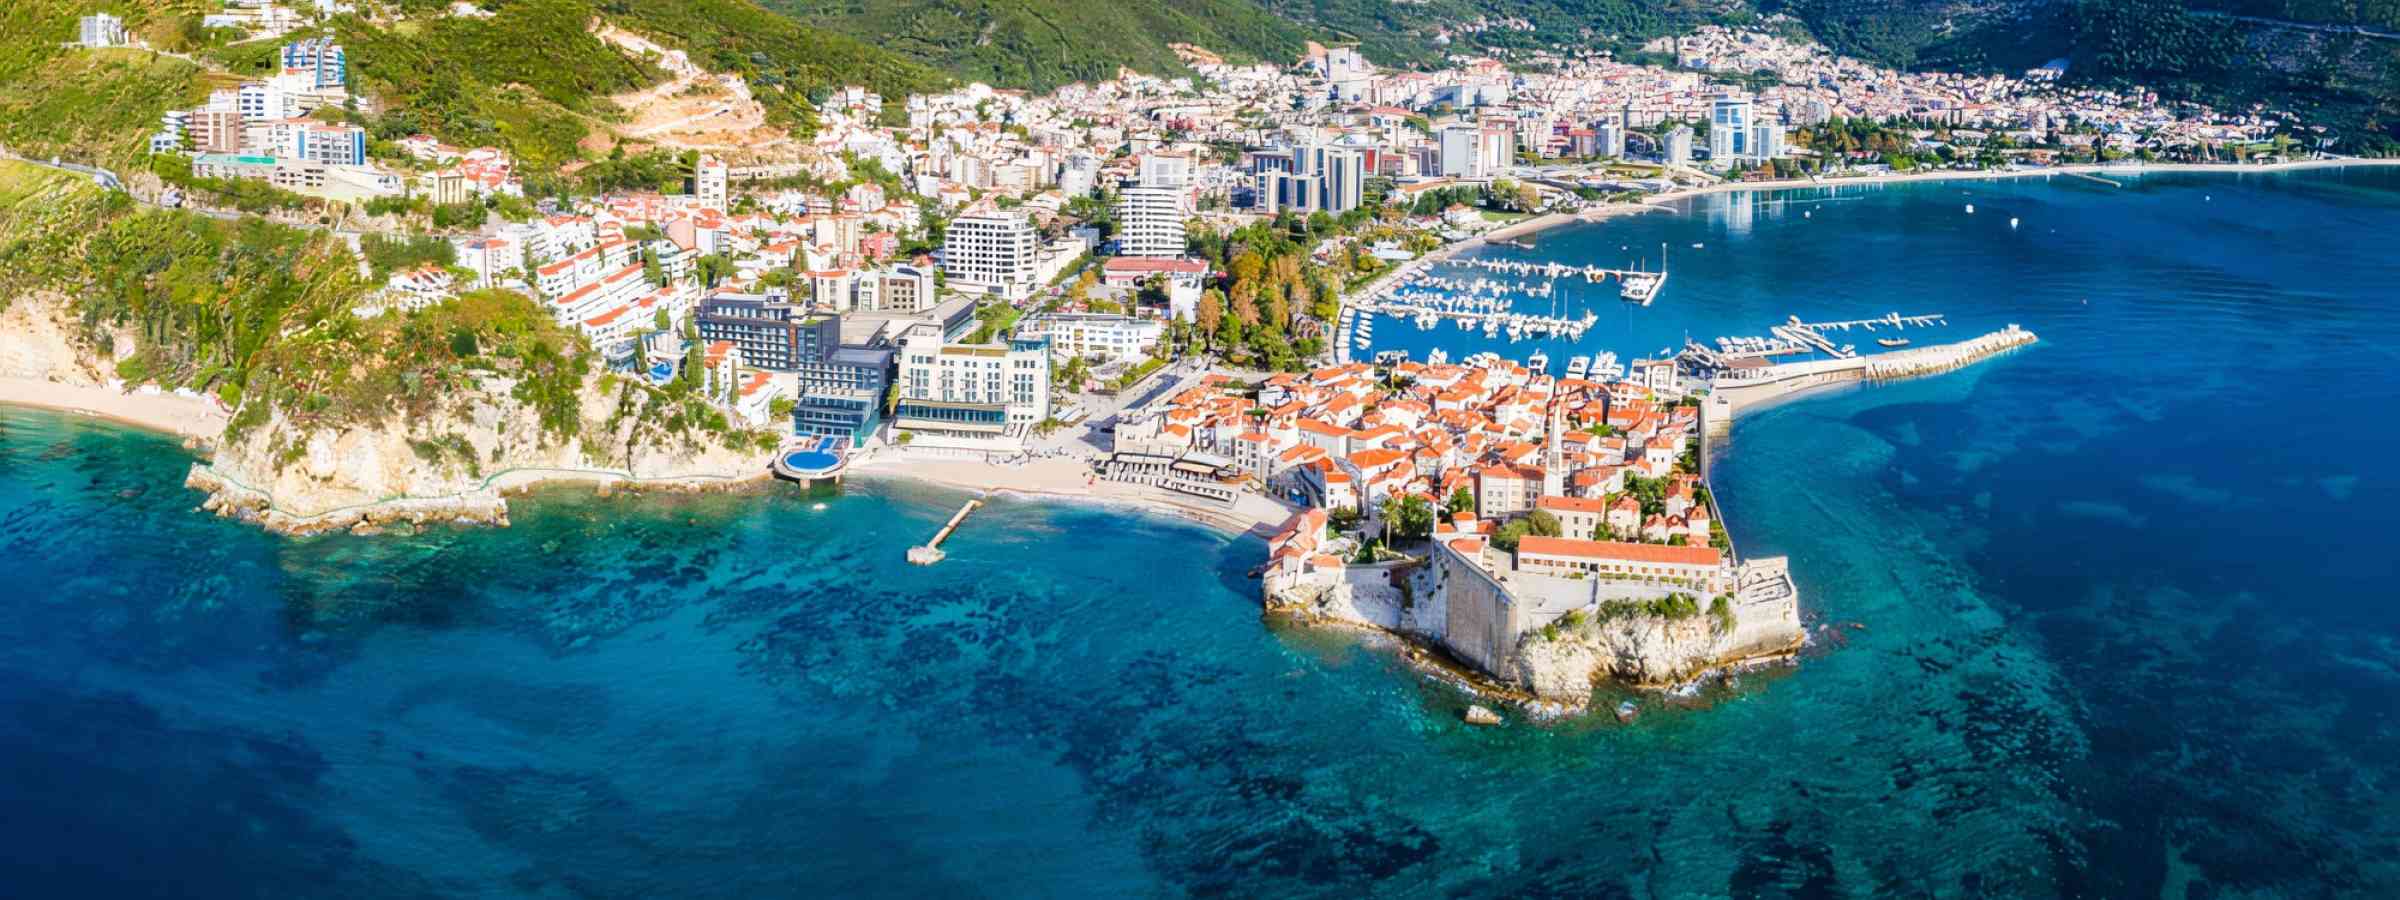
1150, 221
1096, 336
972, 390
319, 58
838, 389
993, 253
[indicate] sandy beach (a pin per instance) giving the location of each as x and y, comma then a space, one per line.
185, 416
1069, 479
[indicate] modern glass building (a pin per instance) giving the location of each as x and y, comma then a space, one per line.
840, 389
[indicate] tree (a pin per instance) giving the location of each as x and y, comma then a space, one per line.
1542, 523
1508, 535
1462, 500
712, 268
1408, 518
1210, 312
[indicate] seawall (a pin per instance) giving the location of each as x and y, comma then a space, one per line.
1787, 379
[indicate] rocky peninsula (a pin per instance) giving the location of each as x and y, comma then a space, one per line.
453, 460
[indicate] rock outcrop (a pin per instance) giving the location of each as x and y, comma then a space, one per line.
1649, 651
453, 465
38, 340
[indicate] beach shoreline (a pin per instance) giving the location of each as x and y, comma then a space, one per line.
1665, 200
192, 417
1065, 479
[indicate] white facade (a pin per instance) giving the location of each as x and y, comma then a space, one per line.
1495, 149
101, 30
1458, 152
1095, 336
992, 253
982, 385
1678, 149
1736, 134
1166, 170
1611, 138
1340, 174
709, 182
1150, 221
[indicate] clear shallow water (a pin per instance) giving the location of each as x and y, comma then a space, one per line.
2129, 631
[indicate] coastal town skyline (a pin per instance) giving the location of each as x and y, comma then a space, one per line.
730, 448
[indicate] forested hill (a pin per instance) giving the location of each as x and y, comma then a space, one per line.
530, 76
1041, 44
2297, 55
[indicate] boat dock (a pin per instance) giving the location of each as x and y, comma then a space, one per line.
1796, 337
1745, 385
1943, 358
931, 552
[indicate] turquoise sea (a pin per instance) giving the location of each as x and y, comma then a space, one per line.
2114, 616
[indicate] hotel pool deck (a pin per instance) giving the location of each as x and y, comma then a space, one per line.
811, 460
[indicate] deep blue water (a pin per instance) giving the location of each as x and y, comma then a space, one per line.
2128, 605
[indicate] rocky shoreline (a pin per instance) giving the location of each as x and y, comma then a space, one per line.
1551, 679
486, 506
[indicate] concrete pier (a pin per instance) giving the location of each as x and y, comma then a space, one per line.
1760, 385
1945, 357
931, 552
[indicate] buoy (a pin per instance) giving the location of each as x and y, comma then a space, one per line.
1970, 209
2012, 221
1804, 214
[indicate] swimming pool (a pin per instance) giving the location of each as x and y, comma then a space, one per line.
819, 458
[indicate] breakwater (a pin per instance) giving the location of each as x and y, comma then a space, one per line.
1742, 390
1946, 357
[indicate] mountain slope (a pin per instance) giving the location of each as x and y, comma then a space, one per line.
1041, 44
533, 78
88, 104
2286, 54
529, 76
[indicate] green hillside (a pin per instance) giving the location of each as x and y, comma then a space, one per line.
89, 104
1041, 44
2178, 47
531, 77
1404, 33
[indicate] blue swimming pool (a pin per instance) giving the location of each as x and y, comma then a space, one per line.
821, 456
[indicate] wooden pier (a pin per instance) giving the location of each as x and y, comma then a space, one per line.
931, 552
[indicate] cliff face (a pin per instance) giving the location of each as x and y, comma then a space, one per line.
37, 340
1649, 651
450, 464
453, 465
